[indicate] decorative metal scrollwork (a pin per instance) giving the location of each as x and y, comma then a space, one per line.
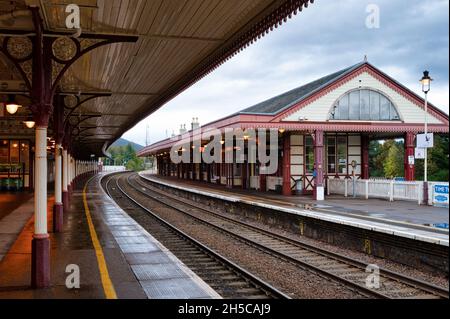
20, 48
64, 49
70, 101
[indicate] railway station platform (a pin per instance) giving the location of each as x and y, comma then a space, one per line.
401, 219
116, 257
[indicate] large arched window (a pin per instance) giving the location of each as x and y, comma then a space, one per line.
364, 105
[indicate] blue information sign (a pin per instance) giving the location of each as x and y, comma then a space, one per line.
440, 195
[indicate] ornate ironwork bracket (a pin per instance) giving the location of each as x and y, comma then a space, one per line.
43, 59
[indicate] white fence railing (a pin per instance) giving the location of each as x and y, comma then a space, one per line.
384, 189
114, 168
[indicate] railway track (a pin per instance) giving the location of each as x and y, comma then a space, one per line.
226, 278
342, 269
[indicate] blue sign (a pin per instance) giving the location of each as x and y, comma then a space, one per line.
440, 198
441, 189
443, 225
440, 195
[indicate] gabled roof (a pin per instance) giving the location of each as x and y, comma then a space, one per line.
281, 102
267, 114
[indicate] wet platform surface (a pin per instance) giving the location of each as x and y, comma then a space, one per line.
15, 211
402, 218
9, 202
138, 266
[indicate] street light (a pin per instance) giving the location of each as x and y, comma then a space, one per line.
426, 86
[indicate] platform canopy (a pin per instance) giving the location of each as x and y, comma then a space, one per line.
177, 43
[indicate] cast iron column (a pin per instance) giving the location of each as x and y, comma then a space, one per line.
318, 159
365, 157
287, 190
58, 210
409, 151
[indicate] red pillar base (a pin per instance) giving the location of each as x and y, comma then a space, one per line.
40, 262
65, 198
58, 218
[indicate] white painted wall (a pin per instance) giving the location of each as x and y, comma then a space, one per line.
319, 109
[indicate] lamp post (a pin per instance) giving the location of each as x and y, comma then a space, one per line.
426, 86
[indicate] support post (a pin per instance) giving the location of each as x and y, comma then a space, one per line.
65, 190
58, 207
318, 158
409, 152
262, 182
365, 157
40, 264
287, 190
58, 210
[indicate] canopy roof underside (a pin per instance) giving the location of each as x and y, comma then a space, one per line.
178, 43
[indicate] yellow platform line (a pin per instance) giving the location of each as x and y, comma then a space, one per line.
108, 286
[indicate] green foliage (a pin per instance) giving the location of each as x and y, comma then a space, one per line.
126, 156
394, 163
438, 157
387, 160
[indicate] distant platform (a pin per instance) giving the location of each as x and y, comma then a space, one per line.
400, 218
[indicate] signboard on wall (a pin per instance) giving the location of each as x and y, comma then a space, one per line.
425, 140
411, 160
440, 195
419, 153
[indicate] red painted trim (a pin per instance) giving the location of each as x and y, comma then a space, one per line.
287, 191
365, 156
246, 121
410, 174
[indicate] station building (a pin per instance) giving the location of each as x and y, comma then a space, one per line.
325, 128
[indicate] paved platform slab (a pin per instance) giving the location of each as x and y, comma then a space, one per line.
15, 211
405, 219
138, 266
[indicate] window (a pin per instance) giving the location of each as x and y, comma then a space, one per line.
309, 155
342, 154
331, 155
4, 152
364, 105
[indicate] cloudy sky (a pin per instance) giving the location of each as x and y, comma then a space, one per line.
326, 37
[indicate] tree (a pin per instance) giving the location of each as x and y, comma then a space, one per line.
394, 166
126, 156
386, 158
438, 156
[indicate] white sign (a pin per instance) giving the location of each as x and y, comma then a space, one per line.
419, 153
411, 160
425, 140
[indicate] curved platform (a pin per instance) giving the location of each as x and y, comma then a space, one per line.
116, 257
393, 224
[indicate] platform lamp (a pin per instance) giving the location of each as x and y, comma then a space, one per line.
30, 123
11, 106
426, 86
